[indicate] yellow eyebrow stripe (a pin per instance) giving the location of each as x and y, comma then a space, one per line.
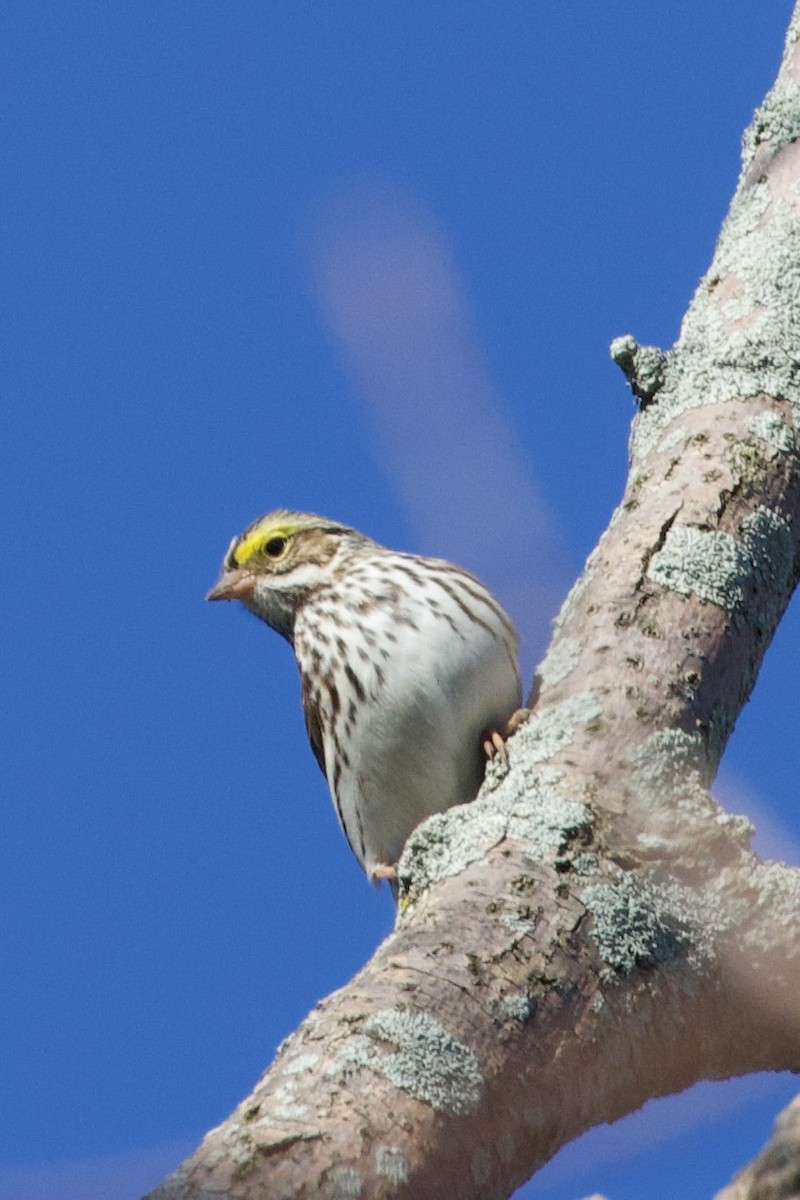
256, 539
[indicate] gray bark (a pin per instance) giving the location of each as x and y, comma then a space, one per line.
593, 930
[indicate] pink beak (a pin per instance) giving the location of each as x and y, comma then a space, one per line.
233, 584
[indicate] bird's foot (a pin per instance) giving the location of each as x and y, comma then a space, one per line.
383, 871
494, 741
514, 721
494, 746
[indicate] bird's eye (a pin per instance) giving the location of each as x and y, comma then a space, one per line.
275, 547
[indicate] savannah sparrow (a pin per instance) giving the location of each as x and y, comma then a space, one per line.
408, 668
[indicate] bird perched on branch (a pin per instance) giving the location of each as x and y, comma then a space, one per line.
408, 668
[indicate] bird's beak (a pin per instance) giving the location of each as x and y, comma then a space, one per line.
233, 584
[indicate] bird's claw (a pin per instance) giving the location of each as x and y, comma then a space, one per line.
494, 747
494, 741
383, 871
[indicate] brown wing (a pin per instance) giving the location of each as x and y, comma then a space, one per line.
313, 727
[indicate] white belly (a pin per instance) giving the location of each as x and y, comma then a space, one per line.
433, 682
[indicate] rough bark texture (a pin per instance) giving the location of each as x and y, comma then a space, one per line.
593, 930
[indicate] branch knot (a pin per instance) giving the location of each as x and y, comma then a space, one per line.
643, 367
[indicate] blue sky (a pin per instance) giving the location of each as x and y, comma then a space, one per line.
363, 260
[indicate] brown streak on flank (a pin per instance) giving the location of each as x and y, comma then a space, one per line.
441, 615
453, 594
406, 569
361, 835
479, 594
356, 682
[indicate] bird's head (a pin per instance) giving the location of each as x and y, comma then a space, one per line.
278, 561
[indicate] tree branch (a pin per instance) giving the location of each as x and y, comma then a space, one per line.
593, 930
